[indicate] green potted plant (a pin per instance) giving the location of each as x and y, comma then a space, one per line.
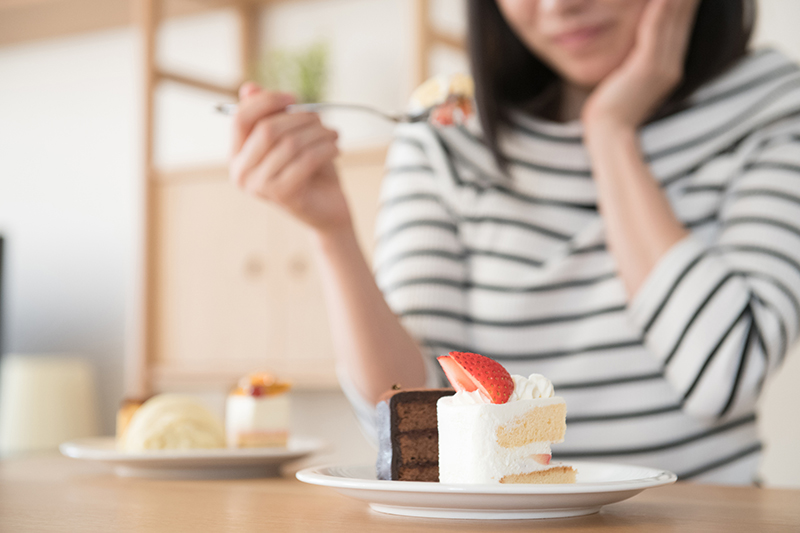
303, 72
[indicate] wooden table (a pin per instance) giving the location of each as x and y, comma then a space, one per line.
50, 493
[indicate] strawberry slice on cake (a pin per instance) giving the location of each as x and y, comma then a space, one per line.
470, 372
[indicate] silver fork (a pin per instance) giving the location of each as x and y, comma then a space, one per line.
230, 109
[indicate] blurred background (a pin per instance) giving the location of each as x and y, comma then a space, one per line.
125, 250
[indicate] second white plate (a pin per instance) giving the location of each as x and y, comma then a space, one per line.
597, 484
192, 464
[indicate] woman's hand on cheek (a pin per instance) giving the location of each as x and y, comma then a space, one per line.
287, 158
652, 70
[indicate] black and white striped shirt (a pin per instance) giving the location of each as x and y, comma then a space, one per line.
517, 269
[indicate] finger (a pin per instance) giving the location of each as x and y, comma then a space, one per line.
265, 135
298, 173
248, 88
687, 9
651, 24
293, 148
664, 31
258, 105
676, 30
684, 23
290, 148
676, 20
264, 177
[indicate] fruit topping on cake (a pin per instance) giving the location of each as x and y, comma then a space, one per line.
260, 384
446, 99
470, 372
257, 412
542, 458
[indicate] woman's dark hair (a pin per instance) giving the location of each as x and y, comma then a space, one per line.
508, 75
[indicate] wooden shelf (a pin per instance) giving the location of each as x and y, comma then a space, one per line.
230, 284
196, 83
33, 20
445, 39
214, 376
227, 283
350, 159
235, 283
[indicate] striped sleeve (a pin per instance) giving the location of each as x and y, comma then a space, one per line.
719, 314
419, 258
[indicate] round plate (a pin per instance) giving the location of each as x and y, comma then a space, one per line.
597, 484
192, 464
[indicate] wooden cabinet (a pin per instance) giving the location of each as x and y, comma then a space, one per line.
235, 282
228, 283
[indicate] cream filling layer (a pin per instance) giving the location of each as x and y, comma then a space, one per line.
468, 448
248, 414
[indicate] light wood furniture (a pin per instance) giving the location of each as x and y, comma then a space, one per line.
229, 282
58, 494
236, 282
226, 284
32, 20
184, 319
428, 37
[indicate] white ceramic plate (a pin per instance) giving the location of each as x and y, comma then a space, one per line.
597, 484
192, 464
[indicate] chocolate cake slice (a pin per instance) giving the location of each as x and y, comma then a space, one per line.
408, 437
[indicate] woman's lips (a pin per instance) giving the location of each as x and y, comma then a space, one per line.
579, 37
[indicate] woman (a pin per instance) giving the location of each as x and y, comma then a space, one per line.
624, 219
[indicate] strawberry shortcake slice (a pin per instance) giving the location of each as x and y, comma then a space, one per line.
498, 428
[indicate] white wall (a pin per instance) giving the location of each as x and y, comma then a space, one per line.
69, 165
68, 145
188, 131
370, 56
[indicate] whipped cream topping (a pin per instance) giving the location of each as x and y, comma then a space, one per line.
468, 398
534, 387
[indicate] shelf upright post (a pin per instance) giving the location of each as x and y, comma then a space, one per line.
248, 13
140, 350
423, 41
